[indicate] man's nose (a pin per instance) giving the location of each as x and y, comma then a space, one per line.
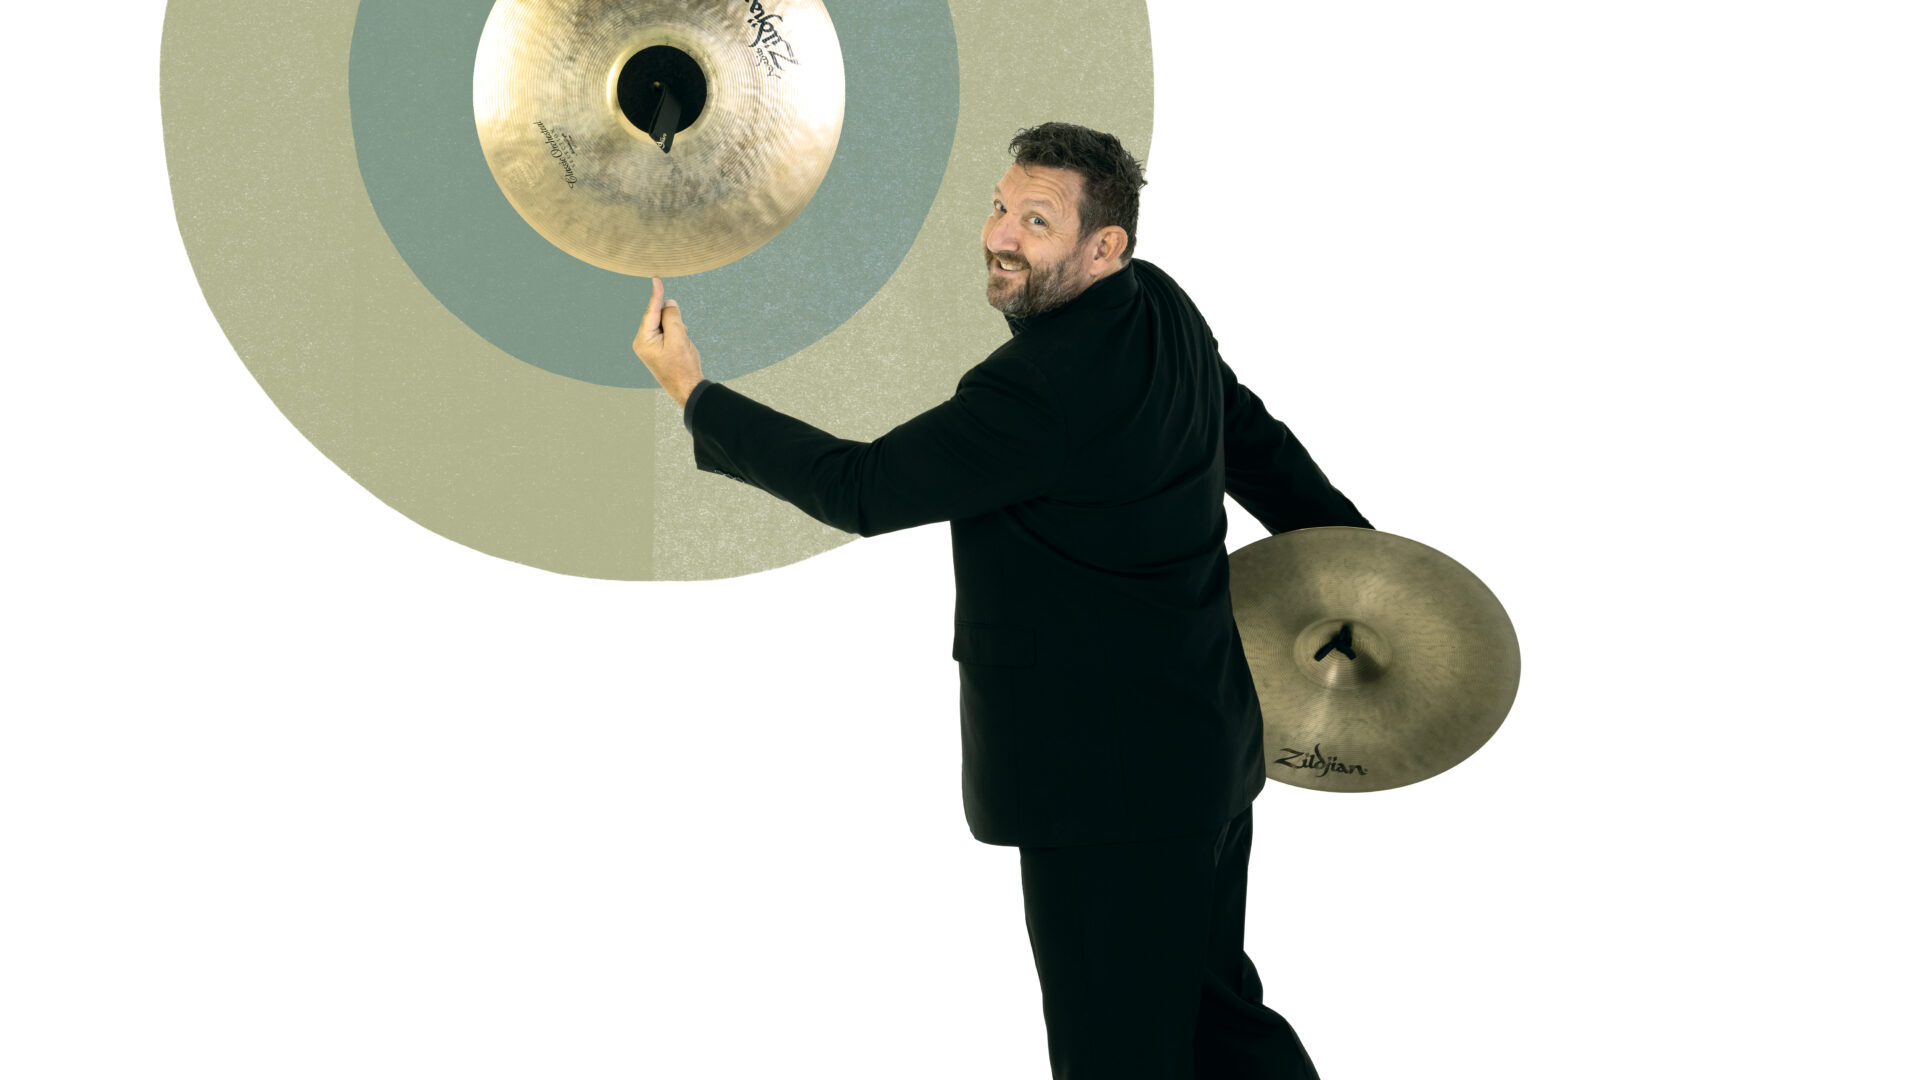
1002, 236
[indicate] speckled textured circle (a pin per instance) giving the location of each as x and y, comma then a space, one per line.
439, 204
495, 453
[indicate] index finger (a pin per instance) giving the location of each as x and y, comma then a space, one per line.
651, 321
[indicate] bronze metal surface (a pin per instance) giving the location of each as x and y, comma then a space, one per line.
546, 102
1379, 661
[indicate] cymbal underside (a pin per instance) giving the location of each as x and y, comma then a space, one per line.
770, 93
1378, 661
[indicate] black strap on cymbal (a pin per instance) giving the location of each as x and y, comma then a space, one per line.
1342, 643
665, 119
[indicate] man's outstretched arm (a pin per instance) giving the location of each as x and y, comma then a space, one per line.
999, 440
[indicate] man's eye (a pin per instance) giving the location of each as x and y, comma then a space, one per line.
1038, 221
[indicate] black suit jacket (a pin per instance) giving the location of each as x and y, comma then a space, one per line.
1104, 695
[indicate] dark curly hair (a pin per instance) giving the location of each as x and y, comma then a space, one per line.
1111, 178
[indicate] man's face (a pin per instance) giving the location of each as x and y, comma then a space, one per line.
1035, 260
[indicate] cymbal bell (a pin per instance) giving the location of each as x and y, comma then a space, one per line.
1379, 661
658, 137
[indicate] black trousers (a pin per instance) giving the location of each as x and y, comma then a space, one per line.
1142, 969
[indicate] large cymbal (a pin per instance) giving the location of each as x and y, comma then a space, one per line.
569, 94
1379, 661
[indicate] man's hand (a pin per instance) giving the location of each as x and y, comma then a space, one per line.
662, 344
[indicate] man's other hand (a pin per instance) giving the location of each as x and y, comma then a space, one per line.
662, 344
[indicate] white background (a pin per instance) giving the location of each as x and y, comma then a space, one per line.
1614, 303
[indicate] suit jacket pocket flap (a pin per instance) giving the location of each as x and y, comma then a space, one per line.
993, 646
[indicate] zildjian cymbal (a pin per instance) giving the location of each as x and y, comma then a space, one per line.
659, 137
1379, 661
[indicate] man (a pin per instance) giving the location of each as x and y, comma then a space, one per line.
1109, 726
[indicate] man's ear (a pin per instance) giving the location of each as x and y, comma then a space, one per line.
1109, 244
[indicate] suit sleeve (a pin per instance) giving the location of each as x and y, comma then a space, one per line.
1001, 439
1271, 475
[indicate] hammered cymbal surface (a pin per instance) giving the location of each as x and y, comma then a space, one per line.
590, 180
1379, 661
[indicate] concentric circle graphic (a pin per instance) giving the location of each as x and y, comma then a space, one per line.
345, 230
441, 206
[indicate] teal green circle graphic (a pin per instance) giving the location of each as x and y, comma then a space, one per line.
471, 440
410, 87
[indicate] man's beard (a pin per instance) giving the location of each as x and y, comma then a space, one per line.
1043, 289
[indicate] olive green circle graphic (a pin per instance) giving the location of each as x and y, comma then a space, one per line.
410, 86
498, 454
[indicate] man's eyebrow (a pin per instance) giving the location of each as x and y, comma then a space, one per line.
1040, 201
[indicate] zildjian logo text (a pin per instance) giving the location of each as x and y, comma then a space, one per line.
1326, 763
768, 44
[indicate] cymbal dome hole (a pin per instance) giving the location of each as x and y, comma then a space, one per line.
1333, 669
661, 66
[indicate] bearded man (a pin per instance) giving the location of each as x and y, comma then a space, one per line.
1109, 727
